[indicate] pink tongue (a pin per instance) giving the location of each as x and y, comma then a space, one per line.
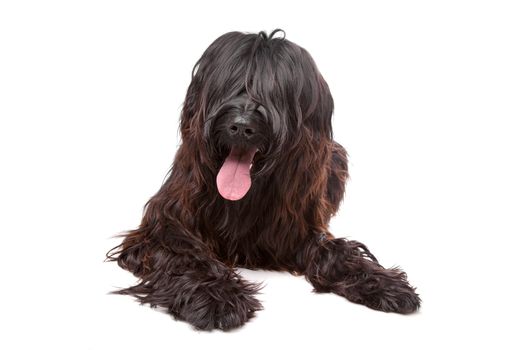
233, 180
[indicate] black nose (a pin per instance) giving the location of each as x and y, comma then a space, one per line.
241, 126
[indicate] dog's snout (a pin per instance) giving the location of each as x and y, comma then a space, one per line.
242, 126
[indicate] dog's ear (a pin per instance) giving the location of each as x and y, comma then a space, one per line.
316, 101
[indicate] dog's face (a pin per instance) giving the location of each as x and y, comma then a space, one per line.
254, 98
242, 133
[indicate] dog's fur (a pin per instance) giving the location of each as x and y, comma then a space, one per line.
191, 239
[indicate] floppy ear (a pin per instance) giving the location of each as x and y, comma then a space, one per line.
316, 100
190, 109
322, 114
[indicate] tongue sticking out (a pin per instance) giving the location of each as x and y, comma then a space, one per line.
233, 179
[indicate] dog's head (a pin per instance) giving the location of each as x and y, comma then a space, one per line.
253, 102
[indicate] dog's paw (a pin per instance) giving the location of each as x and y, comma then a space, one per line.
387, 291
224, 305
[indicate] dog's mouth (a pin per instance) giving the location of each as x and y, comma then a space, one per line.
233, 179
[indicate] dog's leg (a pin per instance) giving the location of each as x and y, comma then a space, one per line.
348, 269
178, 272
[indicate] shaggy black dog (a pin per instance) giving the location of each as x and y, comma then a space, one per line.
254, 184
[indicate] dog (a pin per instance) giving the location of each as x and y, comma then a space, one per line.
254, 183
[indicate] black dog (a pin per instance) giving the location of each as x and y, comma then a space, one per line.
254, 184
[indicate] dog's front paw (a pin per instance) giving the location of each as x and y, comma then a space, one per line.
388, 291
221, 305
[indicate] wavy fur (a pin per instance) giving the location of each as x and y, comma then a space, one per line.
190, 240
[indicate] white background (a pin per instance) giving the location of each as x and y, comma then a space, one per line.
430, 104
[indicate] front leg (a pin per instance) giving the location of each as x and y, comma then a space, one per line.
348, 269
177, 272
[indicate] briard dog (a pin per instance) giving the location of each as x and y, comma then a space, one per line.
254, 183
